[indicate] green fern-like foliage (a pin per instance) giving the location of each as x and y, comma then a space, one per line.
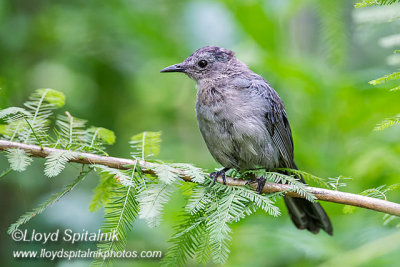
204, 232
393, 77
152, 200
30, 125
18, 159
165, 173
333, 30
103, 192
56, 161
121, 176
190, 240
94, 134
391, 220
120, 213
145, 145
311, 179
388, 123
368, 3
41, 105
378, 192
71, 129
386, 78
71, 133
197, 174
125, 206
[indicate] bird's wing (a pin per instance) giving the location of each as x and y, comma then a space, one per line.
276, 121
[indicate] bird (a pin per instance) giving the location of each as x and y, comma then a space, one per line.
245, 126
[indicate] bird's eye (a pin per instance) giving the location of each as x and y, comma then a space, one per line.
202, 63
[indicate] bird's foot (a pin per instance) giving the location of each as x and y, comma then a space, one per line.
260, 183
221, 173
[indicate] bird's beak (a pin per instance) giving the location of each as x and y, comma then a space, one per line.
174, 68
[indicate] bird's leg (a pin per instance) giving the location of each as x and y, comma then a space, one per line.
221, 173
260, 183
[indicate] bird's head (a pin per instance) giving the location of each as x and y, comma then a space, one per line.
206, 63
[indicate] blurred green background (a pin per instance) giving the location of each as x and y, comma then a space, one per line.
106, 57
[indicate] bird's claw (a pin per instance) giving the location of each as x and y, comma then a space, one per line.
260, 183
221, 173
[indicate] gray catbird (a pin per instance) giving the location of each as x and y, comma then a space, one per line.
244, 124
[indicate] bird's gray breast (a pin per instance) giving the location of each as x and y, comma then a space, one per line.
232, 123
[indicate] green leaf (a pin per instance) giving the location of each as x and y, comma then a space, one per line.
15, 127
120, 214
368, 3
228, 208
103, 192
204, 250
120, 175
53, 96
261, 201
397, 88
333, 27
307, 177
105, 135
71, 129
152, 201
189, 232
337, 182
13, 110
55, 162
146, 144
40, 110
18, 159
389, 219
388, 123
3, 128
378, 192
210, 210
165, 173
295, 184
386, 78
197, 174
199, 199
393, 187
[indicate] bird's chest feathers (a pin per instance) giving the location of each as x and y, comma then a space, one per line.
210, 95
217, 101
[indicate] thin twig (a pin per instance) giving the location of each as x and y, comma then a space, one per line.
148, 167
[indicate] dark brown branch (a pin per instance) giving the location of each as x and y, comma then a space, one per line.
147, 167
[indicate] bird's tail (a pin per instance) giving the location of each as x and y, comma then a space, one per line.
308, 215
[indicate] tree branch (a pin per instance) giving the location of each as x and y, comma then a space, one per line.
147, 167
